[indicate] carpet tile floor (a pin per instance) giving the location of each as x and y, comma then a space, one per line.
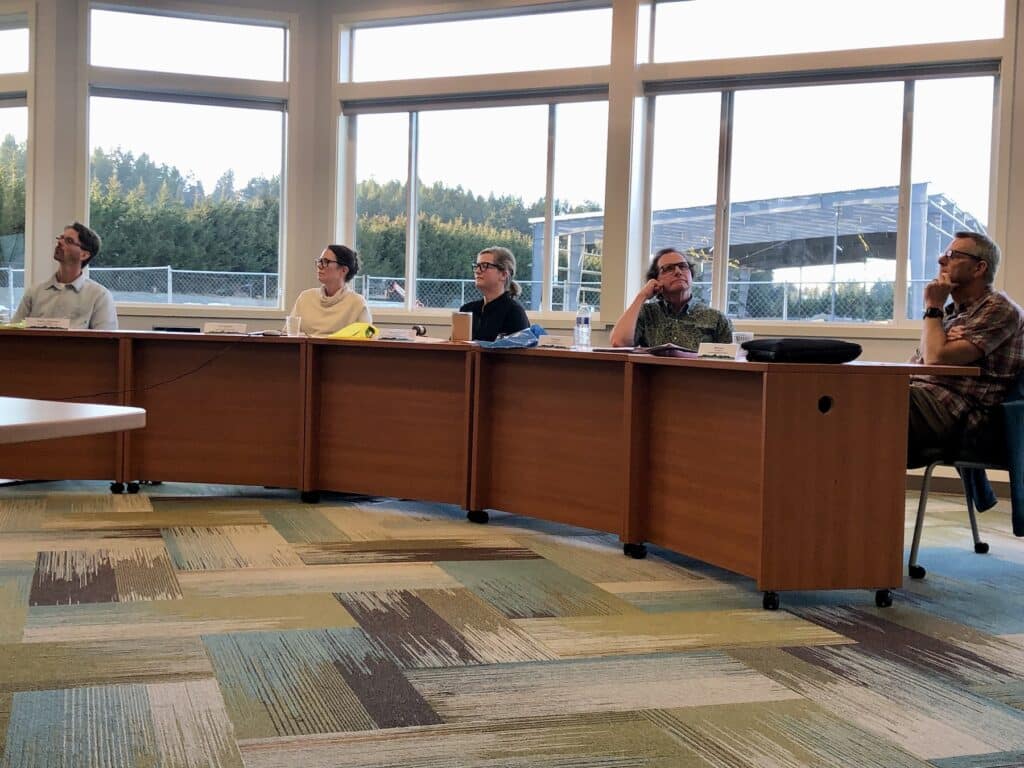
219, 627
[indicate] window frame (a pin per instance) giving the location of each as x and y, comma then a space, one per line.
117, 82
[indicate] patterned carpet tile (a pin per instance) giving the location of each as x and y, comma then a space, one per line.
1013, 759
230, 546
582, 636
42, 666
525, 589
983, 601
102, 576
598, 559
601, 740
291, 683
18, 514
668, 598
306, 525
926, 716
249, 582
15, 585
172, 725
593, 685
189, 617
411, 551
439, 628
781, 734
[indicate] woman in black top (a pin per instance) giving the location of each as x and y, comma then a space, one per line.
497, 312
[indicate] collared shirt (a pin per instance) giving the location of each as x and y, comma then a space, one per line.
995, 325
501, 315
84, 302
694, 323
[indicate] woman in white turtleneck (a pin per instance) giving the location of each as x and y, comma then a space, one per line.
333, 305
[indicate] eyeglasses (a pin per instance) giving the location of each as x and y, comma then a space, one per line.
322, 263
68, 240
954, 254
483, 266
681, 266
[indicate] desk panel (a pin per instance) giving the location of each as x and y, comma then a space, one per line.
219, 409
391, 419
702, 463
51, 365
550, 437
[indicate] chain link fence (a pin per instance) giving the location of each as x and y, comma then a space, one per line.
760, 300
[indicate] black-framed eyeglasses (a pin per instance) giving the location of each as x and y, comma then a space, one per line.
68, 240
681, 266
483, 266
952, 253
322, 263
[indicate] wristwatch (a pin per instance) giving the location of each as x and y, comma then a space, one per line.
933, 312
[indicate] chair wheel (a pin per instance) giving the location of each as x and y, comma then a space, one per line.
917, 571
636, 551
478, 516
981, 548
133, 487
770, 601
117, 488
310, 497
883, 598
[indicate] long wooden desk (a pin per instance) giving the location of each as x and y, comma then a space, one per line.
792, 475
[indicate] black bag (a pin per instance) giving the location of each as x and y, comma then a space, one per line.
801, 350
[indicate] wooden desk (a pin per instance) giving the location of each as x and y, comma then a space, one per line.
389, 418
75, 366
23, 420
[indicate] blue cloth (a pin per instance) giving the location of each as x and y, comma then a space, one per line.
519, 340
978, 488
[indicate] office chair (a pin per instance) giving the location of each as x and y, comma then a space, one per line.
1008, 456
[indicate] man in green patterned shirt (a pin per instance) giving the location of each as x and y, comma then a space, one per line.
664, 311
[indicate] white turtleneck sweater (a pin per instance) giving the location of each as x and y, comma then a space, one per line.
322, 315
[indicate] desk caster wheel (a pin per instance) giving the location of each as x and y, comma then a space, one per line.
636, 551
117, 488
917, 571
133, 487
981, 548
883, 598
770, 601
478, 516
310, 497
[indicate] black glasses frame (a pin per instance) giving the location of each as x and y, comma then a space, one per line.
483, 266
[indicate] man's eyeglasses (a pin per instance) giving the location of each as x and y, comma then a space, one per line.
68, 240
483, 266
954, 254
681, 266
322, 263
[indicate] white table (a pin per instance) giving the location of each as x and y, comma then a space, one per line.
23, 420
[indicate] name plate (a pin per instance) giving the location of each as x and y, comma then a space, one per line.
555, 342
53, 323
224, 328
723, 351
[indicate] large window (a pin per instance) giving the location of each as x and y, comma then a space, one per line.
13, 144
692, 30
483, 46
186, 192
482, 180
13, 43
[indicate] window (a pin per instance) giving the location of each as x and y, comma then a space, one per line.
694, 30
814, 190
129, 40
186, 192
950, 170
13, 143
482, 181
13, 43
483, 46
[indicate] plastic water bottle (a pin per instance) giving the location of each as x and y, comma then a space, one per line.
581, 334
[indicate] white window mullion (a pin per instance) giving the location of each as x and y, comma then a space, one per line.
903, 208
549, 254
412, 213
650, 105
720, 268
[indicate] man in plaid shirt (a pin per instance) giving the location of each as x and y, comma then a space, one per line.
981, 327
